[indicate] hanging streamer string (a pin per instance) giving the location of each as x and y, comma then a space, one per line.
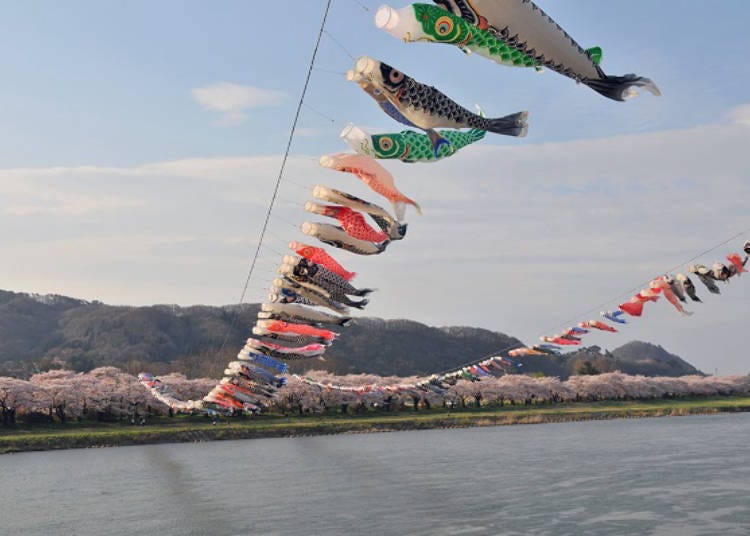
338, 43
495, 356
468, 370
280, 175
645, 283
598, 307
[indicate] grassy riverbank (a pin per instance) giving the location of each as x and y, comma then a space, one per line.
188, 429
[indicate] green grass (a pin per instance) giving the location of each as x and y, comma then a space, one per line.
186, 428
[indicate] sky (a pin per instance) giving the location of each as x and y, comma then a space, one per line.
140, 143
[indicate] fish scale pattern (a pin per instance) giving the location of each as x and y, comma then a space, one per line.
327, 279
433, 101
416, 147
468, 36
354, 224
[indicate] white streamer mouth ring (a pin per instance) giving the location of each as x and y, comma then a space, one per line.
365, 65
386, 18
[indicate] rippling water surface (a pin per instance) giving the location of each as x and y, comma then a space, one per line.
677, 476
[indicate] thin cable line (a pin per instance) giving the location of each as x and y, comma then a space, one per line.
329, 71
521, 345
321, 114
284, 241
281, 174
336, 41
598, 307
281, 218
272, 250
642, 284
364, 7
303, 186
295, 204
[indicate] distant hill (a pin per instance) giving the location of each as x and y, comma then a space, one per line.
39, 332
405, 347
635, 357
36, 330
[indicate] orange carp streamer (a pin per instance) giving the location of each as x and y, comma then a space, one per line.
319, 256
737, 262
279, 326
351, 221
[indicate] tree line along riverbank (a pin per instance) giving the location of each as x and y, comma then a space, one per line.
23, 438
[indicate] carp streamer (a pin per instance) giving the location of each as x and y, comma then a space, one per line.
309, 303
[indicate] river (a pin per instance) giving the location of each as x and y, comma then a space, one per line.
662, 476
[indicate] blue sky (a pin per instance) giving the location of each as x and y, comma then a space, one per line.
140, 142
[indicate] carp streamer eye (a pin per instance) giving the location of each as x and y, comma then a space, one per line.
443, 26
386, 144
396, 76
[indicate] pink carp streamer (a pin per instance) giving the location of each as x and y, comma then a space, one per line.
375, 176
665, 288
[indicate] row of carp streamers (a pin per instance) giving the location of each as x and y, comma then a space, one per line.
675, 289
313, 292
436, 383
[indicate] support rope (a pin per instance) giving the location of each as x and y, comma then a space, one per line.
278, 179
598, 307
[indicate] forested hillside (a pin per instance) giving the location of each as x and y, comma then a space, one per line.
42, 332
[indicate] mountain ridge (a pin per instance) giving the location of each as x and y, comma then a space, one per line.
38, 332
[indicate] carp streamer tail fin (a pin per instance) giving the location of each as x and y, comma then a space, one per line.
620, 88
510, 125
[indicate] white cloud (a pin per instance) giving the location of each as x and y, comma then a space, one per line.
514, 238
233, 100
214, 169
72, 205
307, 132
740, 114
218, 169
22, 197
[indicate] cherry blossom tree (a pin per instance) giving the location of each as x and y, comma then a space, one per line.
58, 388
109, 393
115, 394
462, 390
184, 389
16, 396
